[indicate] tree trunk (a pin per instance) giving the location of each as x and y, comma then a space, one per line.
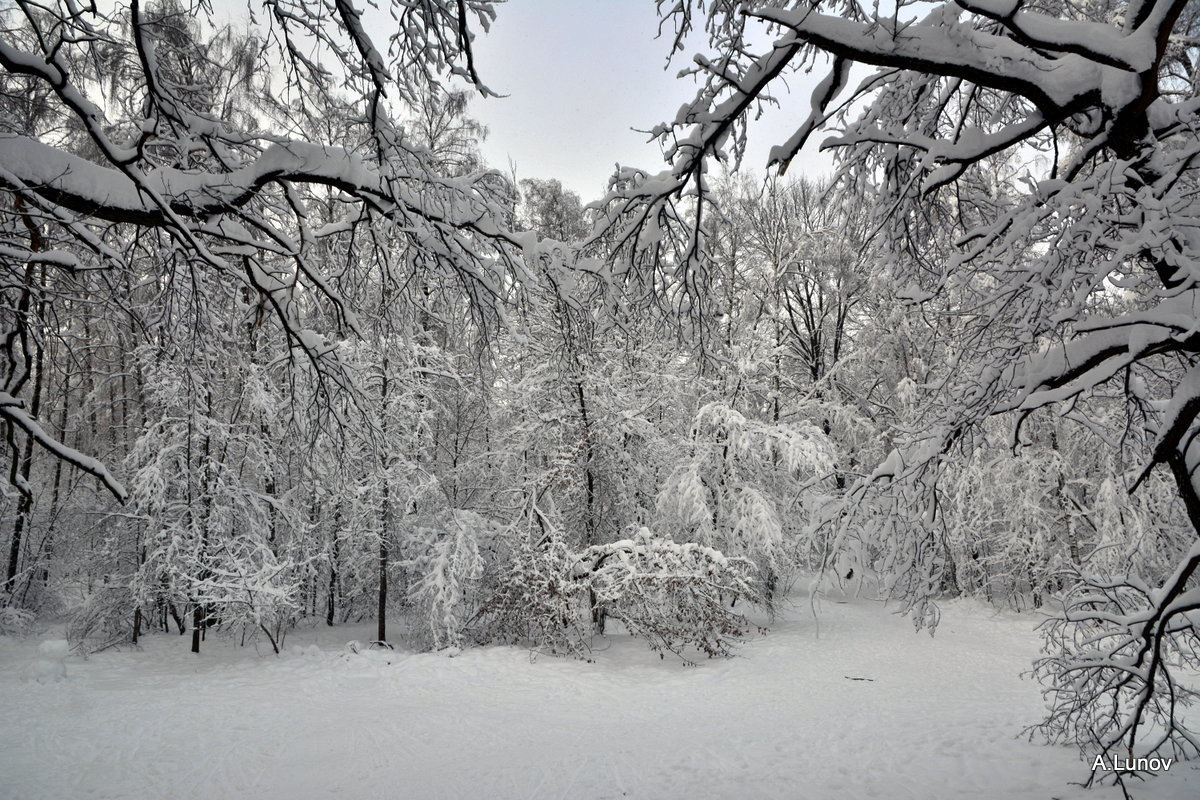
197, 622
334, 563
386, 511
24, 520
55, 487
590, 523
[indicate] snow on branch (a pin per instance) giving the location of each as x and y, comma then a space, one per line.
12, 410
1124, 664
677, 597
674, 596
150, 199
942, 45
274, 158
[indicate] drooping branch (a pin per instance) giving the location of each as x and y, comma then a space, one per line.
13, 412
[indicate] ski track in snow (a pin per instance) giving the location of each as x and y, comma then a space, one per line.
941, 718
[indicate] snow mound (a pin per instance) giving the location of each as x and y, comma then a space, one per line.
49, 665
305, 651
54, 649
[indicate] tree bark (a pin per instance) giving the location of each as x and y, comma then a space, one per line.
386, 511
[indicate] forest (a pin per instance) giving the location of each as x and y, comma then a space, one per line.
280, 350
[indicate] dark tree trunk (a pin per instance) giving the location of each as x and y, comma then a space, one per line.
385, 512
590, 523
383, 588
197, 623
24, 520
334, 565
55, 487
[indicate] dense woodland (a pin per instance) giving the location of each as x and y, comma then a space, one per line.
279, 349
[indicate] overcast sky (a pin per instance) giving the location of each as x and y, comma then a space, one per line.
581, 75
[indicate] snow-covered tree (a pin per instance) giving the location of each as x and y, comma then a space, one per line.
1026, 165
750, 489
159, 141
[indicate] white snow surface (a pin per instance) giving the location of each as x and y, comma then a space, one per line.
939, 718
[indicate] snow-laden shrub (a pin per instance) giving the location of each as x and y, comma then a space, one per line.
49, 665
1016, 527
17, 622
678, 598
673, 596
538, 600
445, 574
100, 617
241, 583
254, 588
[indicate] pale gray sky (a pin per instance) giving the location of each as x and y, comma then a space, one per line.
580, 75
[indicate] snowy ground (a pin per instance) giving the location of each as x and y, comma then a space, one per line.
939, 719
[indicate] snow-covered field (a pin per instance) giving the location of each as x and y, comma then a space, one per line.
938, 718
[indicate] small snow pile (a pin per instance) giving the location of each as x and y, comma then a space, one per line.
49, 665
305, 651
355, 652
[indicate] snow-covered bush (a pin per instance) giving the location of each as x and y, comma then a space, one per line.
248, 586
100, 616
16, 621
49, 666
674, 596
445, 574
239, 583
678, 598
537, 600
1007, 525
